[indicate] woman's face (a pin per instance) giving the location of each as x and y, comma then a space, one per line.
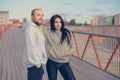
58, 24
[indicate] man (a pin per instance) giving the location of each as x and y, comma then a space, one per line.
35, 51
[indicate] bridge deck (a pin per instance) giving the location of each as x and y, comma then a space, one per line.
12, 66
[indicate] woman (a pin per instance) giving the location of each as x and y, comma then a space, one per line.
61, 45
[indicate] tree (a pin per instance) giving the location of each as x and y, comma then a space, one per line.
85, 23
72, 22
24, 20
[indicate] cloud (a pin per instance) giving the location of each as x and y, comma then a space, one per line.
101, 1
67, 3
94, 10
101, 14
77, 15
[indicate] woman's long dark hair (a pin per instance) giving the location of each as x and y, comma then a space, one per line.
65, 32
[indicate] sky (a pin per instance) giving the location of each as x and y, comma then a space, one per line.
80, 10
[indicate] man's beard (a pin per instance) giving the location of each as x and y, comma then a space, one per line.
37, 23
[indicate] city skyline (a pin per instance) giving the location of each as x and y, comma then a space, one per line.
80, 10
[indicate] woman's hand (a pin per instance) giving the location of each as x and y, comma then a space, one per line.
66, 54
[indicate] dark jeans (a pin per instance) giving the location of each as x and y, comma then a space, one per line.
35, 73
64, 68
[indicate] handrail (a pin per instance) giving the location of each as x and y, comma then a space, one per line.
4, 28
88, 46
100, 35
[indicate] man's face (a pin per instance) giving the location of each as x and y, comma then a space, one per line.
38, 17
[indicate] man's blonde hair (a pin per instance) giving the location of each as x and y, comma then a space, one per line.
32, 13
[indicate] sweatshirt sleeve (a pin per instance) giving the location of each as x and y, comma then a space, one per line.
46, 31
72, 45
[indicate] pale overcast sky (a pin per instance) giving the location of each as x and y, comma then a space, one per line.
81, 10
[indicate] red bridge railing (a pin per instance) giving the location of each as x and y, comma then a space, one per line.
102, 51
4, 28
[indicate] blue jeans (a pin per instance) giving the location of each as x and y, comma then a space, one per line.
64, 68
35, 73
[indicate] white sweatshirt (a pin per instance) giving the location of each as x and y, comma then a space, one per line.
35, 49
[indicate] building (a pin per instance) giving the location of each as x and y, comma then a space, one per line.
16, 22
94, 20
117, 19
98, 20
4, 17
109, 20
101, 20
